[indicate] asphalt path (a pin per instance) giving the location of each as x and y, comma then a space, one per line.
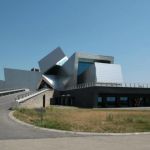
10, 129
132, 142
24, 137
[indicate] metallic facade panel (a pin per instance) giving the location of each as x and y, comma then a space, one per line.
15, 78
69, 72
54, 81
108, 73
85, 56
60, 72
2, 84
51, 59
70, 68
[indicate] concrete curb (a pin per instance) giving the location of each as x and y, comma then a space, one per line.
75, 133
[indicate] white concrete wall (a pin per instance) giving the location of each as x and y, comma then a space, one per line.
37, 101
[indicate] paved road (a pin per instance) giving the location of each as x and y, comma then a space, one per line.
28, 138
80, 143
9, 129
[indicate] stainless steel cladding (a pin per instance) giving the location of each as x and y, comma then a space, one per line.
108, 73
49, 61
63, 73
2, 84
15, 78
60, 73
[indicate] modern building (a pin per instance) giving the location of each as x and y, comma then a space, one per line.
82, 80
63, 72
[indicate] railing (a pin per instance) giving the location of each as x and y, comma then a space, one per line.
26, 96
11, 91
97, 84
2, 90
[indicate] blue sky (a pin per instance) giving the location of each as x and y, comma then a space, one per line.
29, 29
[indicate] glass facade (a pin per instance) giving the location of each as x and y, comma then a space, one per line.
82, 66
111, 99
124, 101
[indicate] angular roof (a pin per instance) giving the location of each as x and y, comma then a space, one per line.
56, 57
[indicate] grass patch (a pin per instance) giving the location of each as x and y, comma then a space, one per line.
90, 120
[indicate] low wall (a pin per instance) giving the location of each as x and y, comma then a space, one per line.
38, 100
7, 92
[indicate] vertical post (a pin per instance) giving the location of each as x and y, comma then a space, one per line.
43, 101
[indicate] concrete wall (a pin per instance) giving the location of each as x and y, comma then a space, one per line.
37, 101
21, 78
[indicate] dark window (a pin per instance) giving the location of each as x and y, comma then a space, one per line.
99, 101
53, 71
111, 99
124, 99
82, 66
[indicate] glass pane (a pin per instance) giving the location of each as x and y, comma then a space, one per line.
111, 99
82, 66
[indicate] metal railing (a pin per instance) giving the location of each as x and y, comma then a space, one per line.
2, 90
98, 84
25, 96
11, 91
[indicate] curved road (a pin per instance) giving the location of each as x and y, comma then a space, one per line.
10, 129
35, 139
